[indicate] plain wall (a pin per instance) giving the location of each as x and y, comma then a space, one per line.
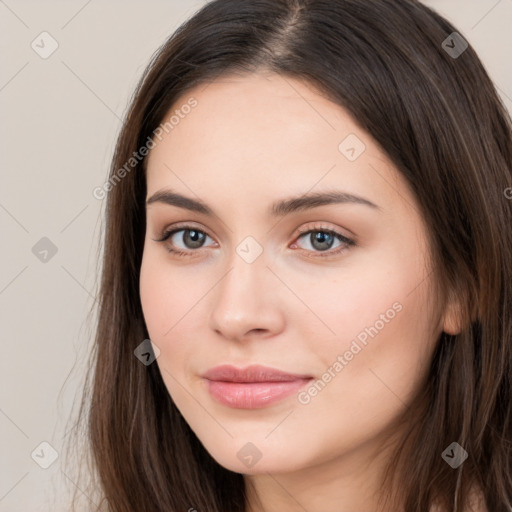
59, 120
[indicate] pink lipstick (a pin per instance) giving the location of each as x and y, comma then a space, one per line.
252, 387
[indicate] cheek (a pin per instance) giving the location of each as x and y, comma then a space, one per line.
166, 293
159, 301
361, 303
385, 347
362, 388
160, 306
151, 295
171, 303
383, 330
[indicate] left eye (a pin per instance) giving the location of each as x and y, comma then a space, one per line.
322, 240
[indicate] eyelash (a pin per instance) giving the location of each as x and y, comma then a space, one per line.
166, 234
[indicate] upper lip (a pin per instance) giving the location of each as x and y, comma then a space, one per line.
253, 373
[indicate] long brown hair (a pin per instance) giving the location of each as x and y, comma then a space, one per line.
439, 118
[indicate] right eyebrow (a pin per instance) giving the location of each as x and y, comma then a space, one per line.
174, 199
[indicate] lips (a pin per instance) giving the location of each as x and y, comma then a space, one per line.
252, 387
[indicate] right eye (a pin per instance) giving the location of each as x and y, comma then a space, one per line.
191, 237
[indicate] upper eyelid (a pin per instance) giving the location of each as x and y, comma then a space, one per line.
184, 227
301, 230
168, 232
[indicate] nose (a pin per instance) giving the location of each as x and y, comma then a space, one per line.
247, 302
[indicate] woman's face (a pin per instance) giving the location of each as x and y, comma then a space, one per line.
336, 293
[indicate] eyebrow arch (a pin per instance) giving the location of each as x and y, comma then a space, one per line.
278, 209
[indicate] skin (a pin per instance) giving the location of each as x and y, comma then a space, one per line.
251, 140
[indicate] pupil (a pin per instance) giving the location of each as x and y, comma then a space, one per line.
321, 237
195, 236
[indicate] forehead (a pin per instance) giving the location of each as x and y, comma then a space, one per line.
262, 107
258, 133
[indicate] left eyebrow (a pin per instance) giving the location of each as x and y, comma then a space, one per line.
278, 209
313, 200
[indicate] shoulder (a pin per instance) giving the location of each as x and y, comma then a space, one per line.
476, 502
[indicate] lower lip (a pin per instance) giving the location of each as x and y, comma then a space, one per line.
253, 395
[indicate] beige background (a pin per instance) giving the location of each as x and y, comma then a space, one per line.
59, 120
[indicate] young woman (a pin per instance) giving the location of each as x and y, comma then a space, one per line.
305, 295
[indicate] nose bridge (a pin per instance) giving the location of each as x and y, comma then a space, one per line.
247, 275
245, 297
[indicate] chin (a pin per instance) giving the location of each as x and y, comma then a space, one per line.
250, 460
